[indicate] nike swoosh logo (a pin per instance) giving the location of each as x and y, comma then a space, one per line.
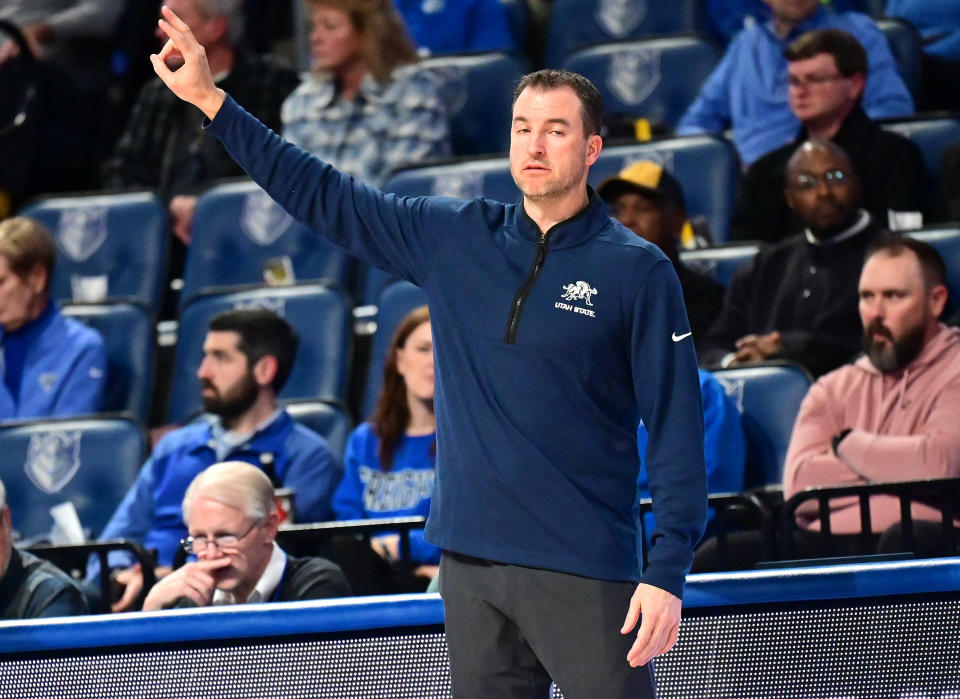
677, 338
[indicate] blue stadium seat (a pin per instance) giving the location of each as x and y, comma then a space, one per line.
473, 85
109, 246
768, 397
397, 299
906, 45
129, 333
721, 262
706, 166
321, 314
239, 233
518, 16
574, 24
933, 135
656, 79
947, 243
327, 418
90, 462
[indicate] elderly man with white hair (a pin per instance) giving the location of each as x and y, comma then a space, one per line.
232, 518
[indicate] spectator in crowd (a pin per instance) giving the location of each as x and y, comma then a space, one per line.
49, 26
649, 201
164, 145
230, 508
939, 24
247, 356
891, 415
366, 108
457, 26
797, 299
747, 90
52, 365
389, 463
726, 18
828, 71
29, 586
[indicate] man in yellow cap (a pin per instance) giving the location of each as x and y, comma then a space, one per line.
649, 201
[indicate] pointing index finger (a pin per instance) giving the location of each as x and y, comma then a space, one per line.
174, 20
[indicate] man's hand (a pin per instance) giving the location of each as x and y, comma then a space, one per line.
36, 35
660, 625
193, 580
756, 348
387, 546
132, 580
182, 208
192, 82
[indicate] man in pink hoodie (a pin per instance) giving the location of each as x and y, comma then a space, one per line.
892, 414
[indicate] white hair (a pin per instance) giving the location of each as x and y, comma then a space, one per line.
231, 9
235, 484
3, 496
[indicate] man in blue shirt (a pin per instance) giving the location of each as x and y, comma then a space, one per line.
556, 330
248, 356
52, 366
747, 91
457, 26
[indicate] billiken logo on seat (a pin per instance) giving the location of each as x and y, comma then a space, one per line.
577, 291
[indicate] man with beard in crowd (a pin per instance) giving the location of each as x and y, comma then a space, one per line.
248, 355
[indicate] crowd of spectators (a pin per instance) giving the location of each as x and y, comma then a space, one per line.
824, 189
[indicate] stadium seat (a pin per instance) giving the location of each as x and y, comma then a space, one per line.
574, 24
706, 166
241, 236
906, 45
90, 462
129, 333
109, 246
947, 243
478, 84
397, 299
933, 135
327, 418
768, 397
321, 314
518, 17
655, 79
721, 262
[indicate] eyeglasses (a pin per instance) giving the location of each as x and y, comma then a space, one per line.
198, 544
798, 83
831, 178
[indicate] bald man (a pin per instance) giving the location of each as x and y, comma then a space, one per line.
797, 300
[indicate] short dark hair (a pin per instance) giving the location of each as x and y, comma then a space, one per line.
262, 332
847, 52
591, 103
931, 263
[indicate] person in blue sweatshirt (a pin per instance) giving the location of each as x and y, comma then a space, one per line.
389, 466
52, 366
556, 330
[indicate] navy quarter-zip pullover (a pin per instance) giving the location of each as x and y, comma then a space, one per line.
548, 350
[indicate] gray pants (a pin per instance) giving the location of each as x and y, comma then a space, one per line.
511, 629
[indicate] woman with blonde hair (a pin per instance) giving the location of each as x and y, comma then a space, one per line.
366, 107
390, 459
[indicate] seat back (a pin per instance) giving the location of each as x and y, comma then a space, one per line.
721, 262
241, 236
947, 243
90, 462
706, 167
475, 84
321, 315
656, 79
397, 299
109, 246
129, 335
906, 45
574, 24
932, 135
327, 418
768, 397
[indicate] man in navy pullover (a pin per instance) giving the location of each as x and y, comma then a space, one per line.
556, 329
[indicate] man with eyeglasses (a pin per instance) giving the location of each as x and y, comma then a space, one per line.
746, 91
232, 518
827, 72
797, 300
